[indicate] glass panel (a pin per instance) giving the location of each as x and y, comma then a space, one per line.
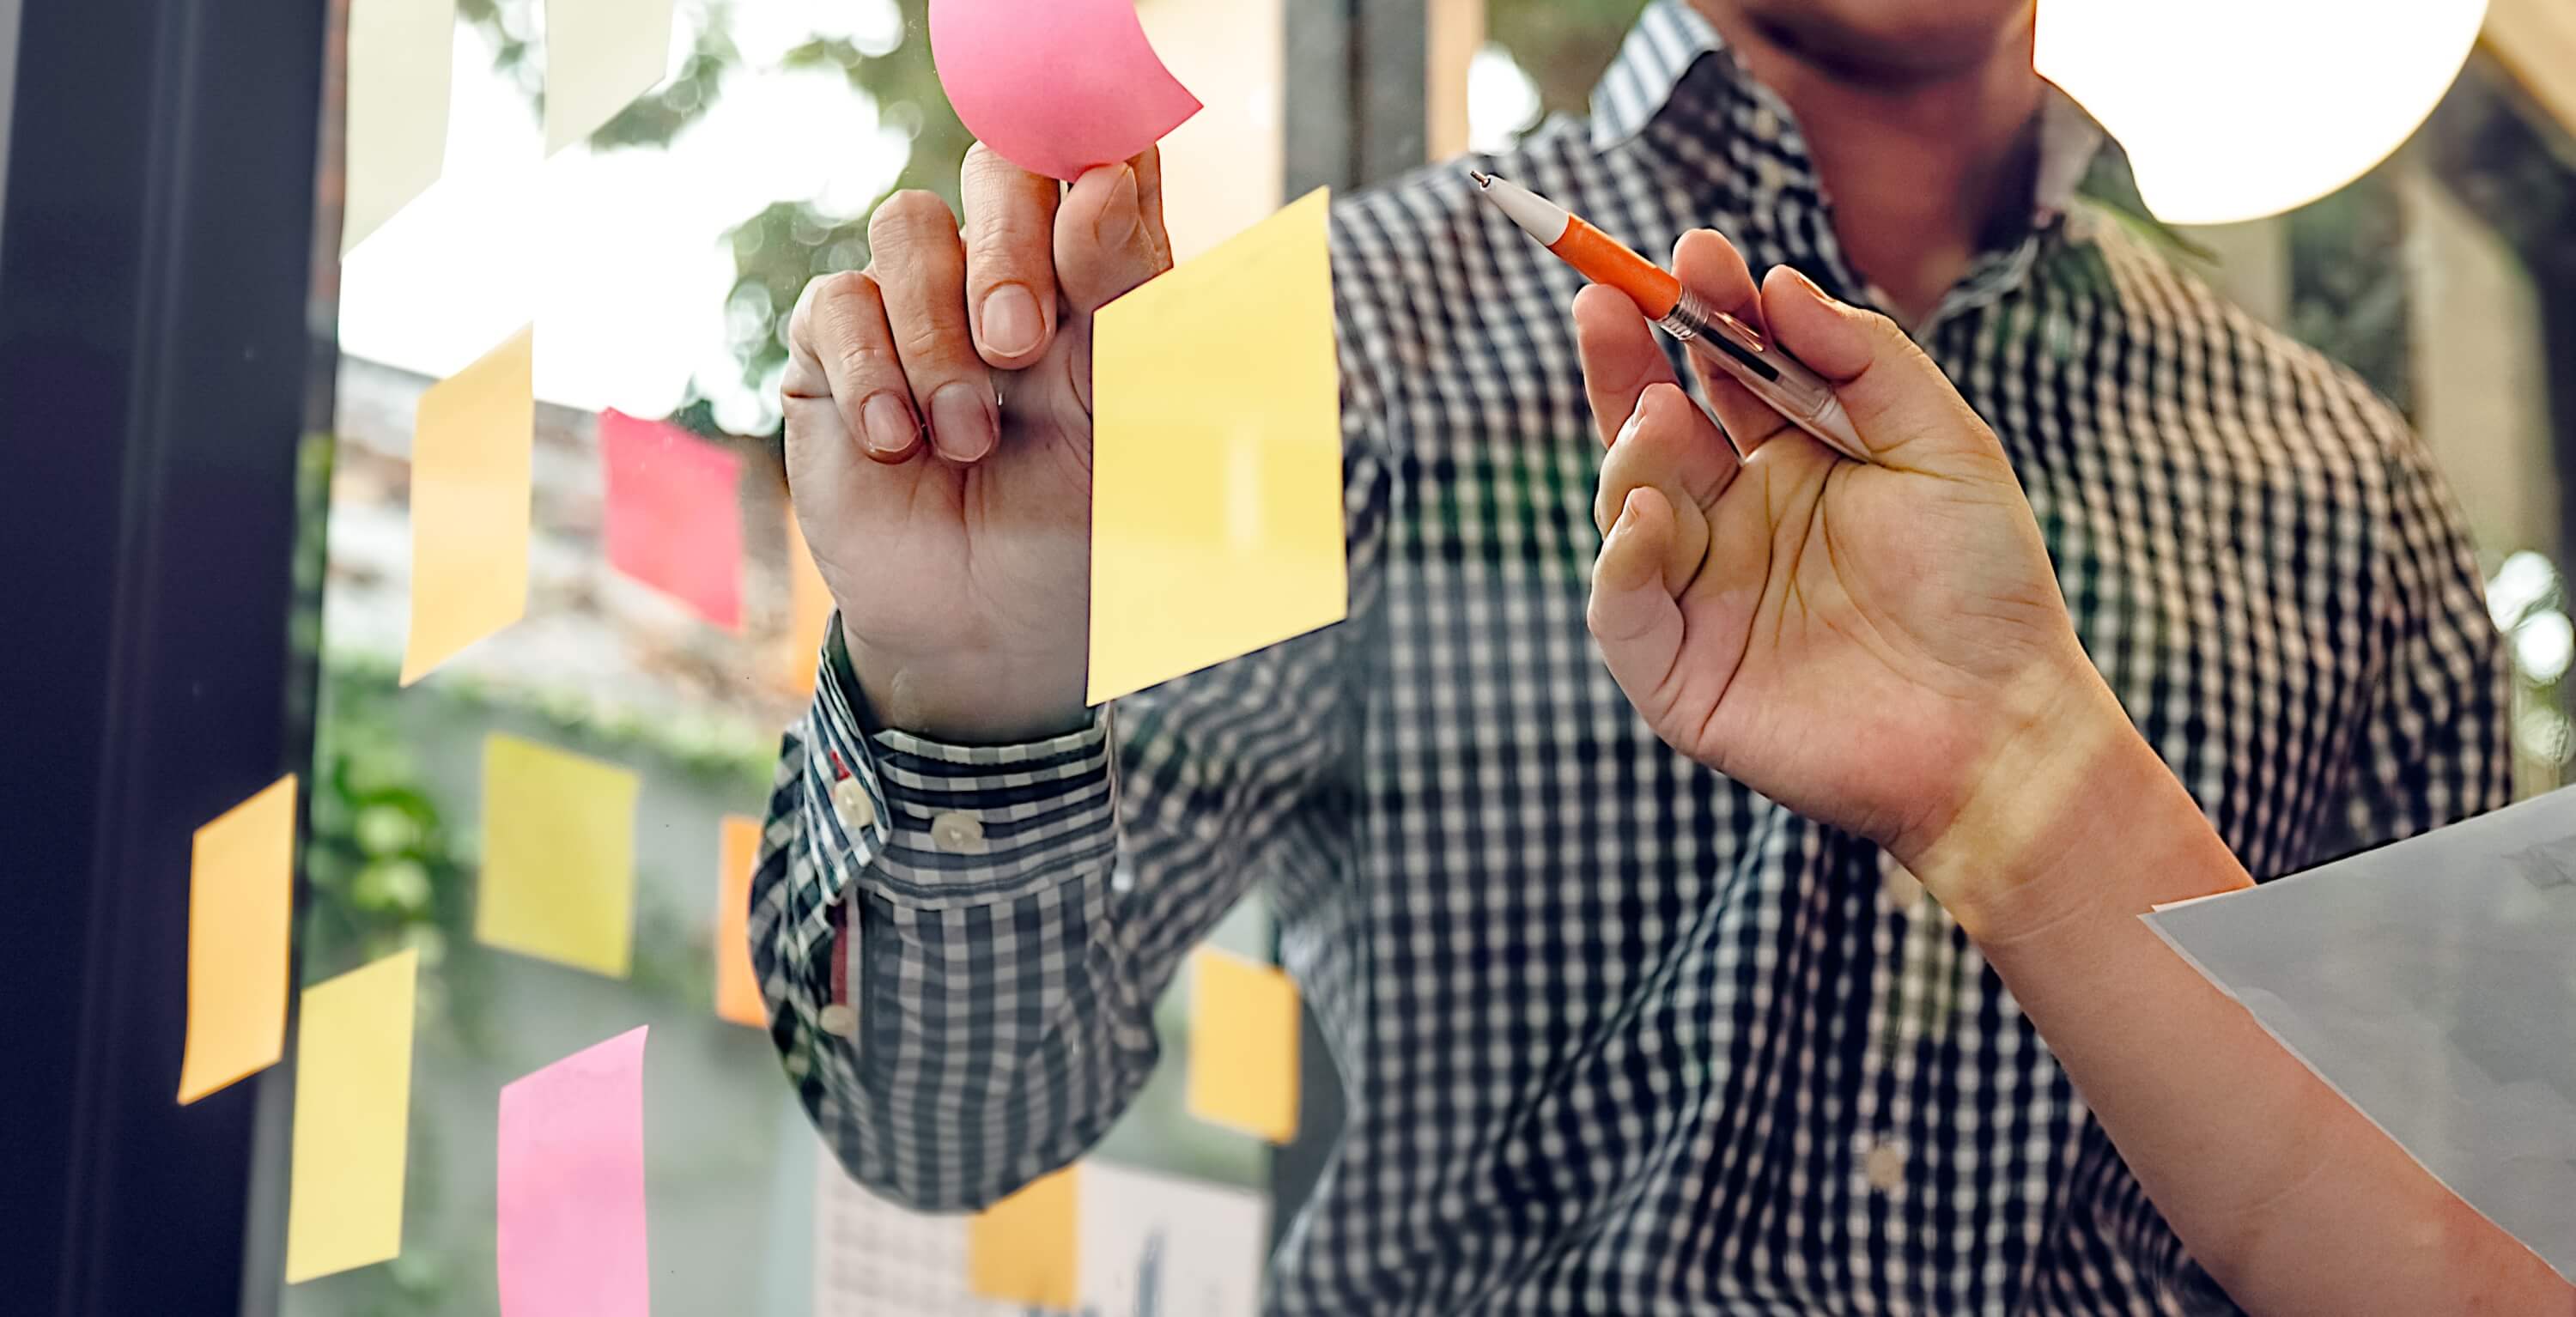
659, 264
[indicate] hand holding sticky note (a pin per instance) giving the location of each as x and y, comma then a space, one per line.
1055, 86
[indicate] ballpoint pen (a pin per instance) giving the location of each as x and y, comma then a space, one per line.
1763, 367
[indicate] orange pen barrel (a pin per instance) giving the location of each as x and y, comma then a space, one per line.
1604, 260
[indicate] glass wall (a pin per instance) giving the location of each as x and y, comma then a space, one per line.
658, 264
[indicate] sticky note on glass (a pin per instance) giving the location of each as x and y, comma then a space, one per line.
241, 883
571, 1235
1243, 1045
674, 521
1022, 1249
352, 1119
1055, 87
399, 54
600, 55
1216, 497
470, 454
737, 986
558, 856
809, 610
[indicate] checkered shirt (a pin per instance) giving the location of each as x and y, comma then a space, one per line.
1617, 1034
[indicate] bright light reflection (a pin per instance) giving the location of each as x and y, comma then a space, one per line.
2233, 110
619, 256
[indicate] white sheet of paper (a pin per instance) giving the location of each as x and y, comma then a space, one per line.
2433, 984
1158, 1246
873, 1258
1151, 1245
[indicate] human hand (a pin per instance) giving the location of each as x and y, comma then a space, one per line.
938, 410
1879, 646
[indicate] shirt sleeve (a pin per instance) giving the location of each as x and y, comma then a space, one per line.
961, 946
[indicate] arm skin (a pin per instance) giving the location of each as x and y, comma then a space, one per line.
2281, 1190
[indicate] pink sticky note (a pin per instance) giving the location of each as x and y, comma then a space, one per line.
673, 520
1055, 86
572, 1186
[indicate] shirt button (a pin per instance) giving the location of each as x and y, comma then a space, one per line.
958, 834
851, 801
1885, 1167
840, 1021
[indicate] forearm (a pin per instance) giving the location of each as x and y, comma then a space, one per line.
2281, 1190
932, 940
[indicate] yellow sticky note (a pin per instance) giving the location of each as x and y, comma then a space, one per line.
558, 856
1243, 1045
352, 1119
809, 610
1216, 495
470, 454
398, 57
241, 882
600, 54
737, 987
1021, 1249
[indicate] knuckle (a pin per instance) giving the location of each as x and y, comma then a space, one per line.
926, 339
837, 310
912, 215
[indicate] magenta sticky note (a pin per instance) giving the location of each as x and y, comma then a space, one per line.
1055, 86
572, 1186
674, 522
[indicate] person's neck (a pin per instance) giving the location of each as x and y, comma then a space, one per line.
1921, 167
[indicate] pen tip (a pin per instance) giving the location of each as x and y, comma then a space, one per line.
1482, 179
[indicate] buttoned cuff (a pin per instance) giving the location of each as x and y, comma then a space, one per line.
934, 825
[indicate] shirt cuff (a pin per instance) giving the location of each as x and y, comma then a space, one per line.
934, 825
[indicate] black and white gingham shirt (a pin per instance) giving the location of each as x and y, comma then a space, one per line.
1618, 1035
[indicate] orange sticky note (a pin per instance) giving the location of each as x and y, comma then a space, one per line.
241, 883
470, 454
737, 987
1216, 491
1021, 1249
809, 610
1243, 1045
558, 856
344, 1203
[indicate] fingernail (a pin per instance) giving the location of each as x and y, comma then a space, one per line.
962, 424
1119, 219
888, 424
1012, 322
1810, 285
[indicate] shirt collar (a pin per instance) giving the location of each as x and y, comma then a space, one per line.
1675, 68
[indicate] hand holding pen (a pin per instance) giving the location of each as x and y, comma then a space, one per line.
1870, 643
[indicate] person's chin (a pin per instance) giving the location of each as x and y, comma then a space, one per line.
1888, 41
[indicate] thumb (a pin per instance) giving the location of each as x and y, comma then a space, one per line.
1905, 409
1109, 233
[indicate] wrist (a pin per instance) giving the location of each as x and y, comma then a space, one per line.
981, 699
2069, 789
